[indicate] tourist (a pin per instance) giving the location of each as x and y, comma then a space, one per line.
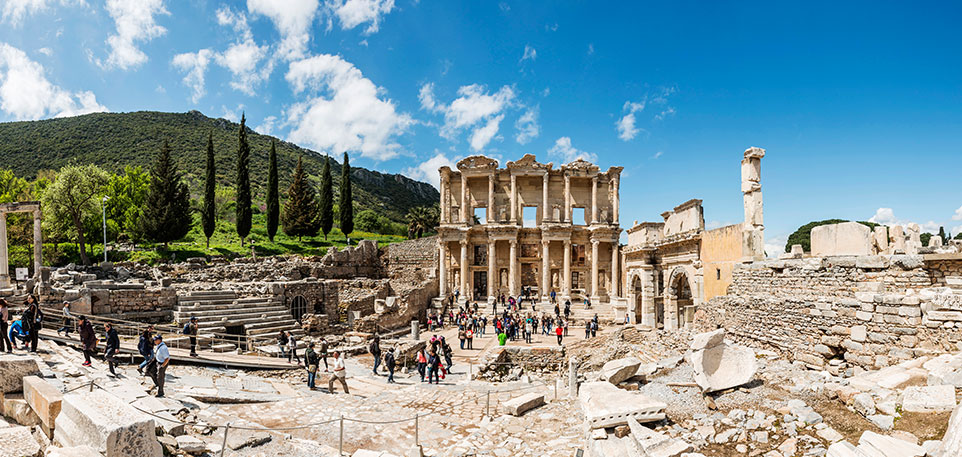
112, 348
161, 360
66, 319
528, 330
340, 374
145, 346
88, 339
594, 327
566, 326
311, 363
567, 309
323, 353
390, 363
282, 343
5, 344
190, 329
17, 332
587, 329
462, 336
554, 300
469, 336
627, 320
560, 332
292, 342
375, 350
32, 320
446, 351
422, 363
434, 367
557, 309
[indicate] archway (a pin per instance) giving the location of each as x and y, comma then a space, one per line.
298, 307
679, 304
636, 295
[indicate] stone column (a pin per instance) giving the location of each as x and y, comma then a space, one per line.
443, 268
648, 296
464, 270
513, 269
445, 206
545, 211
464, 199
490, 217
614, 271
615, 200
4, 260
545, 269
566, 283
492, 272
594, 270
753, 229
594, 199
514, 199
568, 199
37, 245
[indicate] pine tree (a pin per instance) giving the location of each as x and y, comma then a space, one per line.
327, 199
243, 183
209, 214
346, 204
300, 209
167, 212
273, 206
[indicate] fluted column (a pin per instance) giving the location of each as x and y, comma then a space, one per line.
514, 199
464, 199
567, 270
513, 269
492, 272
464, 270
594, 199
615, 200
545, 214
545, 269
613, 292
489, 217
568, 199
594, 270
443, 268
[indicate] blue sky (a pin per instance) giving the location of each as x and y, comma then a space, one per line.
859, 104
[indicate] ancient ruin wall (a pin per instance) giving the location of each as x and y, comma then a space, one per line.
871, 311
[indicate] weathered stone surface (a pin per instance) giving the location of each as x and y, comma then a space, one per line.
951, 444
847, 238
101, 420
190, 445
707, 340
241, 439
16, 408
12, 370
882, 421
864, 404
18, 442
656, 444
76, 451
605, 405
619, 370
520, 405
888, 446
723, 367
928, 399
43, 398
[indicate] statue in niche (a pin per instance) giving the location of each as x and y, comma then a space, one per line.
556, 213
504, 278
457, 280
604, 215
554, 280
455, 214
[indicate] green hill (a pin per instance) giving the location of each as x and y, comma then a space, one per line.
113, 140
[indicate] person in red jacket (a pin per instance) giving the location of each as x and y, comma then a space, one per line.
560, 332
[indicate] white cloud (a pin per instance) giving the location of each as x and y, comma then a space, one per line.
658, 154
474, 109
194, 64
15, 11
246, 60
352, 13
292, 18
527, 126
667, 112
591, 48
45, 51
234, 114
344, 111
551, 27
567, 153
886, 216
958, 214
626, 125
529, 54
428, 170
266, 127
25, 92
504, 7
775, 246
135, 22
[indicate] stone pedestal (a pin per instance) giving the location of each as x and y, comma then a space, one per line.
104, 422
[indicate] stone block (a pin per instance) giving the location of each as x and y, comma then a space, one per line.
43, 398
951, 444
520, 405
13, 368
606, 406
102, 421
928, 399
620, 370
858, 333
723, 367
707, 340
16, 408
18, 442
76, 451
871, 262
191, 445
240, 439
864, 315
847, 238
875, 444
944, 315
910, 311
864, 404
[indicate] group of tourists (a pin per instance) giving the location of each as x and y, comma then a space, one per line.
431, 360
26, 329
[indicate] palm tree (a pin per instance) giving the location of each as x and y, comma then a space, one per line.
422, 219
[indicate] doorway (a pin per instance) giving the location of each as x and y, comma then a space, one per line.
480, 285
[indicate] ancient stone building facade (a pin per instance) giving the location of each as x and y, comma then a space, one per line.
672, 266
529, 225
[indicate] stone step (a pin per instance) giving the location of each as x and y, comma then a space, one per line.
273, 331
182, 315
247, 320
193, 302
224, 306
209, 293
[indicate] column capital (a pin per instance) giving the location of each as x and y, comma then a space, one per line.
595, 243
463, 243
545, 243
567, 243
594, 179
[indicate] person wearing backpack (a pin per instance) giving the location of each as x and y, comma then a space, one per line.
469, 335
462, 336
311, 362
391, 363
446, 352
112, 348
375, 349
190, 329
323, 354
145, 346
32, 321
282, 343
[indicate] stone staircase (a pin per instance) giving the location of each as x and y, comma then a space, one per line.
221, 310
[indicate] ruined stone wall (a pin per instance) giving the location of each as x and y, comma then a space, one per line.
507, 363
413, 260
721, 249
870, 311
135, 299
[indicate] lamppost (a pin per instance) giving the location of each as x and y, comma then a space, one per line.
104, 206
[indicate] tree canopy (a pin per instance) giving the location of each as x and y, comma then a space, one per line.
803, 235
167, 212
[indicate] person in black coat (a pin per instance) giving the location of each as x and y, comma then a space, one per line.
390, 363
32, 321
113, 347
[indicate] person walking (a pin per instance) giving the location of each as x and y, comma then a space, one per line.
145, 346
375, 349
462, 337
190, 329
567, 309
112, 348
88, 339
528, 330
434, 367
66, 319
469, 336
282, 343
587, 329
311, 362
32, 321
446, 351
161, 360
594, 328
559, 332
340, 374
323, 353
292, 341
390, 363
422, 363
5, 344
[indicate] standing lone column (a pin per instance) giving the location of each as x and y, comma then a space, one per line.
514, 199
545, 211
443, 268
545, 269
594, 199
753, 229
594, 270
37, 245
614, 271
513, 269
490, 217
492, 272
567, 271
4, 260
464, 270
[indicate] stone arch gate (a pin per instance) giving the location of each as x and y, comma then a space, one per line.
680, 298
20, 207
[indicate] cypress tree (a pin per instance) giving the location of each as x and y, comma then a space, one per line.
209, 214
167, 212
273, 206
327, 199
945, 239
243, 183
345, 202
300, 209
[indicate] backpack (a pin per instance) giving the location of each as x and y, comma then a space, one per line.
186, 329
